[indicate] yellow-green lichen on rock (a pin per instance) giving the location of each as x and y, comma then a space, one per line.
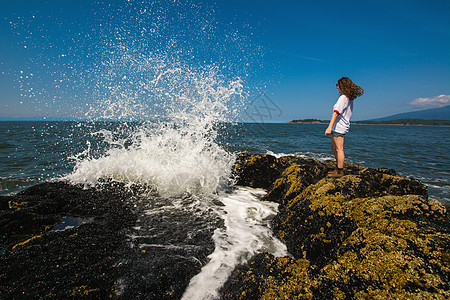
283, 178
269, 277
369, 234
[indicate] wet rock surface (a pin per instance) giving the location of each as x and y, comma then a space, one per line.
368, 234
62, 241
282, 177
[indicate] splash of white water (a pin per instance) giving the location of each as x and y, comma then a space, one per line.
177, 154
246, 233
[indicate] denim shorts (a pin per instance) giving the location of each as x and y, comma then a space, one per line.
337, 133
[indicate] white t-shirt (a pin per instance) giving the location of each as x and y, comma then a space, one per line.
343, 108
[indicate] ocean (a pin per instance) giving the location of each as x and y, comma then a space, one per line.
194, 160
33, 152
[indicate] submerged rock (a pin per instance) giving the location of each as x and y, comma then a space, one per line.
62, 241
368, 234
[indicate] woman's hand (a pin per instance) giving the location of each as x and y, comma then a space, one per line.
330, 126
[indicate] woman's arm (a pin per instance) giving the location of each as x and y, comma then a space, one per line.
333, 119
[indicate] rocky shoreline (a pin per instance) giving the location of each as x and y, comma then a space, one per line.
368, 234
62, 241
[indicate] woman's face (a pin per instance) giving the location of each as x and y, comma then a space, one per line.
337, 86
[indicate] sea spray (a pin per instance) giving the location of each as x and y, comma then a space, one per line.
173, 162
112, 57
169, 66
178, 153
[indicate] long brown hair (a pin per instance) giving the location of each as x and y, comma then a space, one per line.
349, 89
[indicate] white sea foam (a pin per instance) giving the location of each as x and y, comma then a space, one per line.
247, 232
322, 157
173, 161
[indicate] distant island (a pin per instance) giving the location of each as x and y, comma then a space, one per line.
430, 117
389, 122
309, 121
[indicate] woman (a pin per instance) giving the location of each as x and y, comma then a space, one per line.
340, 121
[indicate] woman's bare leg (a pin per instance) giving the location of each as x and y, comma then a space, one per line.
333, 147
338, 149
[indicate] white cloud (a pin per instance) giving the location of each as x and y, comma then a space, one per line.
438, 101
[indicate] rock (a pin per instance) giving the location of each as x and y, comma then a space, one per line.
370, 233
269, 277
283, 177
257, 171
63, 241
325, 213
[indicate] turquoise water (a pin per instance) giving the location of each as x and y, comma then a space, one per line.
32, 152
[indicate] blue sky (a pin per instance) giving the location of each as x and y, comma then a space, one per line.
55, 55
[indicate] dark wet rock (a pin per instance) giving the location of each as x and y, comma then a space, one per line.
257, 171
172, 239
368, 234
63, 241
283, 177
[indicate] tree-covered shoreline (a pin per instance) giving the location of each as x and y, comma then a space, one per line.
420, 122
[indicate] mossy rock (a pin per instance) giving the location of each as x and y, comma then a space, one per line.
394, 242
269, 277
294, 179
370, 234
283, 177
